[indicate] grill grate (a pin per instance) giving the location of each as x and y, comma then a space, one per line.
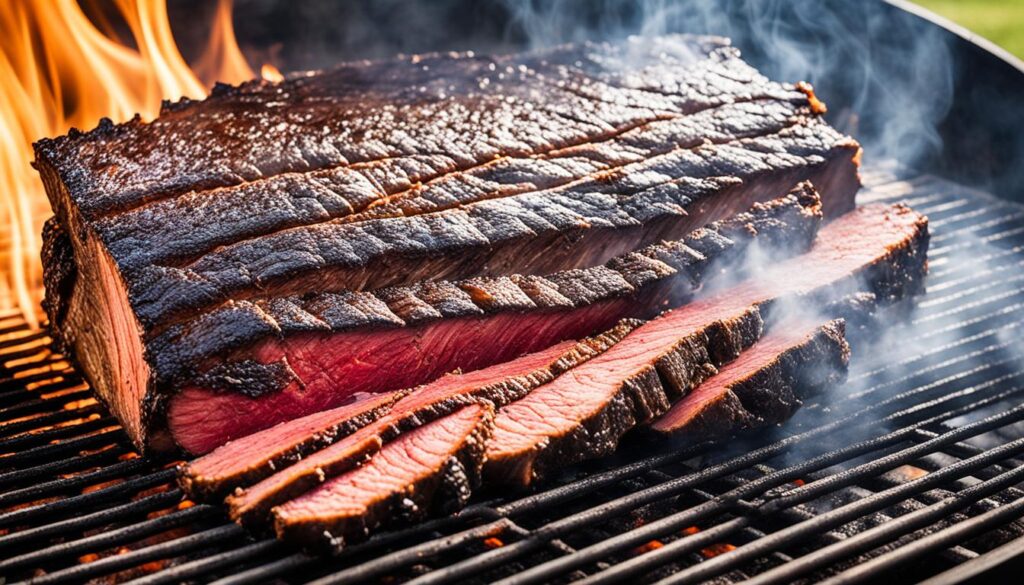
910, 471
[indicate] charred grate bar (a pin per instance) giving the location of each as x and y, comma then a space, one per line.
911, 467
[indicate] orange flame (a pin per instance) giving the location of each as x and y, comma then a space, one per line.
647, 547
716, 549
270, 73
60, 70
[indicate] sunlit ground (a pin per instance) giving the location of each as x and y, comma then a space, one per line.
1000, 21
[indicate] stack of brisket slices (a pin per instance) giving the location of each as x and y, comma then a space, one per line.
362, 292
741, 356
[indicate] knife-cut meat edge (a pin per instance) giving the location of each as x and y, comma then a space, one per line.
431, 469
432, 168
765, 385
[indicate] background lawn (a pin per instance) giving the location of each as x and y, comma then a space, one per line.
1000, 21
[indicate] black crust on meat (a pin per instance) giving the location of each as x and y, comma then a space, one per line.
58, 276
248, 377
239, 213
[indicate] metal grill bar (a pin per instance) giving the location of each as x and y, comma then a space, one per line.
81, 523
18, 394
199, 567
42, 490
986, 563
52, 434
41, 405
107, 539
781, 502
84, 501
953, 348
890, 529
49, 420
263, 573
17, 477
207, 538
64, 449
398, 560
937, 540
915, 520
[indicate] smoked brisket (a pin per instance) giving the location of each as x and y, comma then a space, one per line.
210, 221
708, 358
765, 384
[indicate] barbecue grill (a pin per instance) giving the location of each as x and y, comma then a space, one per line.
910, 472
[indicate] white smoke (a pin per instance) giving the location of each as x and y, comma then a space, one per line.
890, 94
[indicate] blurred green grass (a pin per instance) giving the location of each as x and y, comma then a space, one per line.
1000, 21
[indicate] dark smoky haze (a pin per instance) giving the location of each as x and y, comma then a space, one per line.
918, 98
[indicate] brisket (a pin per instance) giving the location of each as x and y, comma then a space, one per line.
429, 470
765, 384
497, 385
336, 345
249, 459
583, 413
385, 174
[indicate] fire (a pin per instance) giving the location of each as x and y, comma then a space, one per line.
79, 404
716, 549
270, 73
60, 69
648, 547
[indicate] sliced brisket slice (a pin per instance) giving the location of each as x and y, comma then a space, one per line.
394, 172
584, 412
322, 349
247, 460
429, 470
497, 385
765, 384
